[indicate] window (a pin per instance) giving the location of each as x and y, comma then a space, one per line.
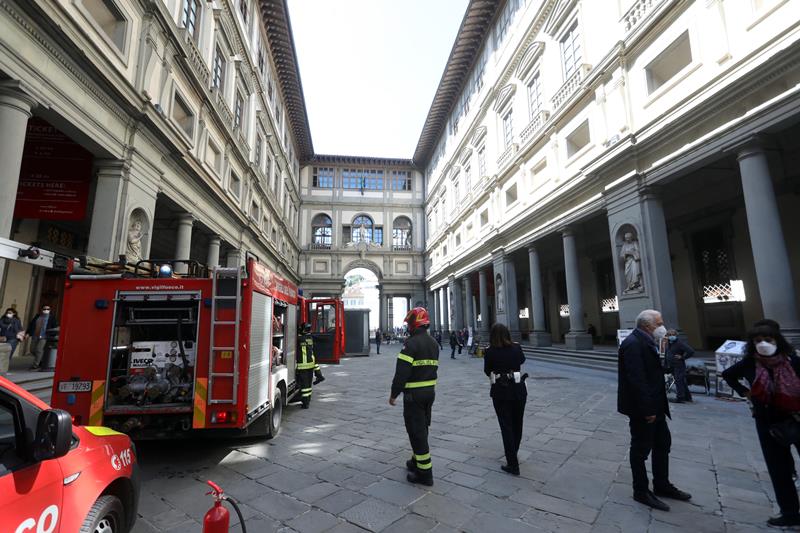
362, 179
508, 128
401, 234
321, 231
578, 139
669, 63
482, 161
571, 51
401, 180
182, 115
238, 110
322, 177
235, 185
255, 211
484, 217
218, 80
535, 95
214, 157
189, 17
261, 61
511, 195
444, 251
458, 240
456, 190
373, 180
362, 229
257, 156
504, 20
467, 178
243, 10
109, 20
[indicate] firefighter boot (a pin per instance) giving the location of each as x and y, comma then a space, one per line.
410, 466
422, 477
319, 377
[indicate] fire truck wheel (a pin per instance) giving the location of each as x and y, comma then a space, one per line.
105, 516
275, 415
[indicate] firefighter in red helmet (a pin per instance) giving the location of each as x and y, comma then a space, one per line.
415, 377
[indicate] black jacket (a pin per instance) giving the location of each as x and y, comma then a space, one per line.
746, 369
641, 389
10, 327
52, 322
416, 363
504, 360
677, 348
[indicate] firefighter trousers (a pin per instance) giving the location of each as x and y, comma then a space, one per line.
417, 406
304, 378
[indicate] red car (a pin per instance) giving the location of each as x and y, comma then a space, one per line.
56, 477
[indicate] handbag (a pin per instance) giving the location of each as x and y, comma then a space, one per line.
786, 432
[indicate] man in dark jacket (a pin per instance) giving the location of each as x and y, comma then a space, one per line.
642, 397
37, 331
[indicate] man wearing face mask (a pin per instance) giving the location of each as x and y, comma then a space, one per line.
37, 331
772, 370
677, 352
642, 397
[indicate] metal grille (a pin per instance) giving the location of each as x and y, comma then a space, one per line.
564, 310
732, 291
609, 305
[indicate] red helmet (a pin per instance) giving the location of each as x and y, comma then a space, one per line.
416, 318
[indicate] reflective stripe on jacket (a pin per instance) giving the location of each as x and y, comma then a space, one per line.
417, 363
306, 361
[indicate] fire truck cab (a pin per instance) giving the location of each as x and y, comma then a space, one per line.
156, 354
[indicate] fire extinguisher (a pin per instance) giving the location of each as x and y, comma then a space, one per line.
217, 519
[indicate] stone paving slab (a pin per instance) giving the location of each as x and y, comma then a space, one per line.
339, 467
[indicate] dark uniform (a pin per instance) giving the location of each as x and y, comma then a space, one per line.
508, 398
415, 377
305, 368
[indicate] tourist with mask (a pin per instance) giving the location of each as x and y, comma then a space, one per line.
37, 331
675, 355
10, 329
642, 397
772, 370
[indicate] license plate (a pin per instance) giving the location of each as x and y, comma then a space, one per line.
74, 386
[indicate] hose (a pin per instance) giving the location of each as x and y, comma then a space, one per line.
238, 511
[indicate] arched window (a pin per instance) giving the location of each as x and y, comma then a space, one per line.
322, 231
401, 234
362, 229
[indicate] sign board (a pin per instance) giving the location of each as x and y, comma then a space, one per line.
55, 175
727, 355
267, 282
622, 334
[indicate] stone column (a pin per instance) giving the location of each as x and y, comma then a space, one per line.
454, 288
437, 312
183, 242
213, 251
539, 336
382, 314
505, 288
433, 310
445, 311
483, 302
468, 309
15, 110
773, 270
233, 259
105, 231
577, 338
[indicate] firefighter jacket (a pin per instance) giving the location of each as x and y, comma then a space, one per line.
307, 361
416, 363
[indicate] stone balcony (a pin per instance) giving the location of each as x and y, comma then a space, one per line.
225, 112
507, 156
195, 58
570, 86
638, 12
534, 126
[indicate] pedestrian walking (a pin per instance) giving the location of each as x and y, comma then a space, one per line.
772, 370
415, 378
43, 321
438, 337
460, 339
11, 329
378, 341
675, 356
453, 344
642, 397
509, 393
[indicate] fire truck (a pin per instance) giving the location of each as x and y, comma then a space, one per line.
158, 354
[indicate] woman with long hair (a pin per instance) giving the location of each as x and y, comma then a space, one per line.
502, 364
772, 370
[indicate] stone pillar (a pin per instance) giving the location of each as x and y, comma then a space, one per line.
456, 307
213, 251
483, 302
382, 314
183, 242
445, 311
539, 336
433, 311
773, 270
233, 259
577, 338
437, 312
105, 231
505, 289
468, 309
15, 110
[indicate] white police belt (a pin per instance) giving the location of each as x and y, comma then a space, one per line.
516, 377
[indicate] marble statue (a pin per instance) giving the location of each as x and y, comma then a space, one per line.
501, 297
633, 264
133, 249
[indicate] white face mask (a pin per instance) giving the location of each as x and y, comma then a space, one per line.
660, 332
46, 312
9, 315
767, 349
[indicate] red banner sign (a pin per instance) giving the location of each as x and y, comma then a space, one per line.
267, 282
55, 176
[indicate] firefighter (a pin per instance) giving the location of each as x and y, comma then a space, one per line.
415, 377
306, 366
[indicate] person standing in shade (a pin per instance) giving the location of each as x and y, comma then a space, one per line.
438, 337
415, 377
509, 393
37, 331
378, 341
676, 354
10, 329
642, 397
772, 370
453, 344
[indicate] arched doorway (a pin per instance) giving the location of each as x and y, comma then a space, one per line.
361, 292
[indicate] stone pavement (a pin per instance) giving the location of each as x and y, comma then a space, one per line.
339, 466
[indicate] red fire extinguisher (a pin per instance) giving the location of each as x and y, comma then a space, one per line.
218, 519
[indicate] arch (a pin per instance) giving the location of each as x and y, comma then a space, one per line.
363, 227
401, 233
321, 231
363, 263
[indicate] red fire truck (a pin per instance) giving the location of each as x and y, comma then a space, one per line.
156, 354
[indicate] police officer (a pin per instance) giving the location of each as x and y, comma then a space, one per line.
307, 366
415, 377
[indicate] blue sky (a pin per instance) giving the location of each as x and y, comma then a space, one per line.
370, 69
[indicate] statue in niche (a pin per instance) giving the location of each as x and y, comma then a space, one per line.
632, 260
501, 297
450, 309
133, 247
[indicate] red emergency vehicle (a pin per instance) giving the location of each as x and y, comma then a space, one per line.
56, 477
157, 354
326, 316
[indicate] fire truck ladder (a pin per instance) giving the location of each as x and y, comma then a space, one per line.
224, 292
